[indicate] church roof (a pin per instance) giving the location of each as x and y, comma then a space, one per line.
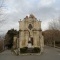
30, 16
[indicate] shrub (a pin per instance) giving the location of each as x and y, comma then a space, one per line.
36, 50
23, 50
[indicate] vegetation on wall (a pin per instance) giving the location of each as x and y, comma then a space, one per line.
9, 38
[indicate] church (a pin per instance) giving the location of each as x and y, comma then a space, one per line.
30, 38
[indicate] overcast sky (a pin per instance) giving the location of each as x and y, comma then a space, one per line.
14, 10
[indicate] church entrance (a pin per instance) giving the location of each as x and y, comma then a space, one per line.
30, 42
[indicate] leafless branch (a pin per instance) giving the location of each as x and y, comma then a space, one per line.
54, 24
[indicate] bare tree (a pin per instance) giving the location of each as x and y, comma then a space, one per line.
2, 16
52, 37
1, 6
54, 24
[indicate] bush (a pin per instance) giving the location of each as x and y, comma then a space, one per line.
36, 50
23, 50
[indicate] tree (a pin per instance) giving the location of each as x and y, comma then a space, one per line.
54, 24
2, 15
52, 37
1, 45
9, 38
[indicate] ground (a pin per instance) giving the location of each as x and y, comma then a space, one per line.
50, 53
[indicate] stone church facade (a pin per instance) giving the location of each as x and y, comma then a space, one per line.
30, 35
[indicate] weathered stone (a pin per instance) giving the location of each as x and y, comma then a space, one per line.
30, 33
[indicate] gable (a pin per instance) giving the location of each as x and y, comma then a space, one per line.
30, 22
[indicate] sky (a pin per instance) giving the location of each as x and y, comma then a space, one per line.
14, 10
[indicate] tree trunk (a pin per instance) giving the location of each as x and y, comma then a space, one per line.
54, 43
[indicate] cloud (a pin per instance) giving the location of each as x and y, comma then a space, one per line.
45, 24
46, 2
14, 10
